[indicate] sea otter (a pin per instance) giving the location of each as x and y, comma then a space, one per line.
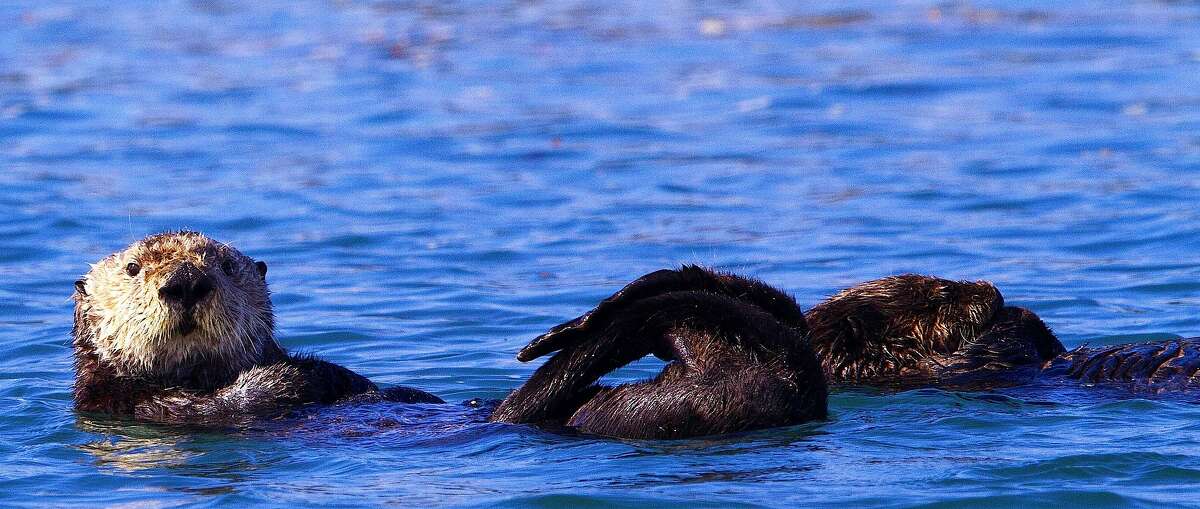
921, 330
737, 354
738, 347
912, 330
743, 356
178, 328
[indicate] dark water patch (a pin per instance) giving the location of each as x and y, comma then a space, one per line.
600, 500
232, 95
1180, 288
53, 116
1083, 103
1084, 467
324, 338
1050, 498
1042, 204
268, 129
905, 90
1132, 338
1100, 146
595, 132
398, 116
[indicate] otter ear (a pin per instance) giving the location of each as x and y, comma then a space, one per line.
79, 286
262, 268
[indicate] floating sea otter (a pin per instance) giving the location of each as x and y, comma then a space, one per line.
179, 328
920, 330
738, 360
741, 358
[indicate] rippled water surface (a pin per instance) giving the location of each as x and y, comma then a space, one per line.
434, 183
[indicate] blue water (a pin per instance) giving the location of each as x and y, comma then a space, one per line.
434, 183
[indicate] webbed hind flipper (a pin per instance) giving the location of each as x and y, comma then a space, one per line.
716, 344
686, 278
1164, 364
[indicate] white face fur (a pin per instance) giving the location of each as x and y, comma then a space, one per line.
140, 331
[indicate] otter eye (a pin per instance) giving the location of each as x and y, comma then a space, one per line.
227, 266
133, 268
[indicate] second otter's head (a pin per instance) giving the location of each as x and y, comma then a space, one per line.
888, 327
175, 306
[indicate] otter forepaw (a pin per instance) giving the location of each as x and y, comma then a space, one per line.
262, 390
659, 282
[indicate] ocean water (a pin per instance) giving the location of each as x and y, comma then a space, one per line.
433, 183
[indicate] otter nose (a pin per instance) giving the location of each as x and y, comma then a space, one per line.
186, 286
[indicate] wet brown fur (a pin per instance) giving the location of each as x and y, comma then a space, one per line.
925, 330
737, 360
921, 329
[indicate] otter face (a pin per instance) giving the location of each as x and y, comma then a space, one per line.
888, 327
172, 303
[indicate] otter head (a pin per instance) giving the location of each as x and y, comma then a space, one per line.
176, 307
888, 327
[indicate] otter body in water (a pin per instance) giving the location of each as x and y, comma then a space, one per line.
922, 330
742, 355
180, 328
910, 329
737, 360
